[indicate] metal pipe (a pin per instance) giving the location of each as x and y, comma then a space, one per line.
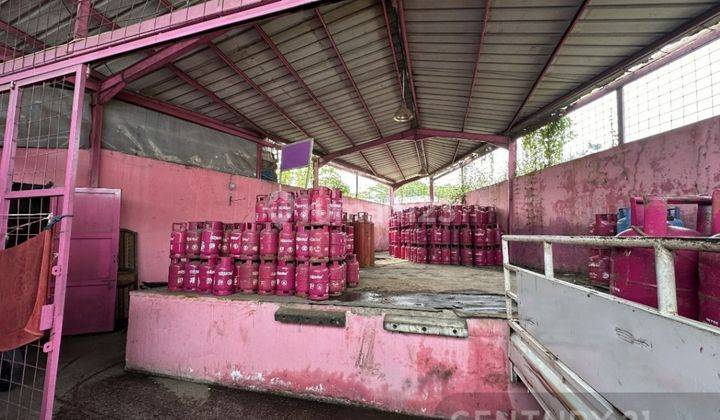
548, 257
506, 278
665, 275
620, 115
708, 244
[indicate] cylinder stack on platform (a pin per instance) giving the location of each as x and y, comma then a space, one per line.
448, 235
297, 245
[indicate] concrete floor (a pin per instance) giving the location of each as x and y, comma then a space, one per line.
92, 383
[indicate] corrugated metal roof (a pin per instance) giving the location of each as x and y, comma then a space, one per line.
443, 51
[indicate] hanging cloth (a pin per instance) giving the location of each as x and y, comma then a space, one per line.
24, 276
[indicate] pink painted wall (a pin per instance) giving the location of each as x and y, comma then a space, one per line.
207, 339
155, 194
563, 199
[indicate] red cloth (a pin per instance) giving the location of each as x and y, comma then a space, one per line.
24, 275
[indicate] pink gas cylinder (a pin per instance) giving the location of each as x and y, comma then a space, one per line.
473, 213
498, 236
435, 235
319, 242
490, 234
466, 256
336, 278
223, 282
421, 236
301, 212
454, 236
464, 215
604, 225
285, 278
483, 216
178, 240
454, 255
445, 215
481, 256
286, 242
302, 273
466, 236
235, 240
457, 215
599, 267
421, 255
302, 243
336, 206
498, 256
435, 255
446, 259
413, 253
268, 241
445, 235
319, 282
404, 252
633, 269
225, 243
192, 273
211, 239
492, 215
282, 205
337, 244
267, 271
352, 271
246, 276
709, 268
320, 206
176, 274
490, 255
349, 239
192, 239
262, 214
206, 275
480, 236
250, 241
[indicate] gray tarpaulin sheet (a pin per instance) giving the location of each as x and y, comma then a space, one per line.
127, 128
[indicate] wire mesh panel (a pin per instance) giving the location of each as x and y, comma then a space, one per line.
37, 176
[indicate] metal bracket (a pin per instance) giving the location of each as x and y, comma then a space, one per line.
46, 317
426, 325
310, 317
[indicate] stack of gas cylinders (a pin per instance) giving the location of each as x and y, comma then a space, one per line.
299, 244
449, 235
630, 272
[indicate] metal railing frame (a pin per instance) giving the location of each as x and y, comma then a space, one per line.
664, 260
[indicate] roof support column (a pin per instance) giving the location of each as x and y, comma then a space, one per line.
431, 190
316, 172
391, 196
620, 115
259, 162
512, 166
82, 18
97, 113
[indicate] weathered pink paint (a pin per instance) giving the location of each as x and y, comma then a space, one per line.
563, 199
243, 346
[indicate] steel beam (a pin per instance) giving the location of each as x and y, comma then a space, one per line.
408, 59
191, 116
22, 35
181, 23
82, 18
7, 53
355, 86
481, 41
551, 60
97, 111
234, 67
219, 101
269, 42
118, 81
538, 118
405, 135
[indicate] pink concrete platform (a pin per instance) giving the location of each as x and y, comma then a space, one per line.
238, 343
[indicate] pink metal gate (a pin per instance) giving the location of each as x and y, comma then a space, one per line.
37, 174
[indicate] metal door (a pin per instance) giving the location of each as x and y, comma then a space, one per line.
91, 287
39, 166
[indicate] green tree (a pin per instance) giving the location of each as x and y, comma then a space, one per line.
413, 189
378, 193
295, 177
544, 146
330, 177
452, 193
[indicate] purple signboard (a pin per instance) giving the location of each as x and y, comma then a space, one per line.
296, 155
